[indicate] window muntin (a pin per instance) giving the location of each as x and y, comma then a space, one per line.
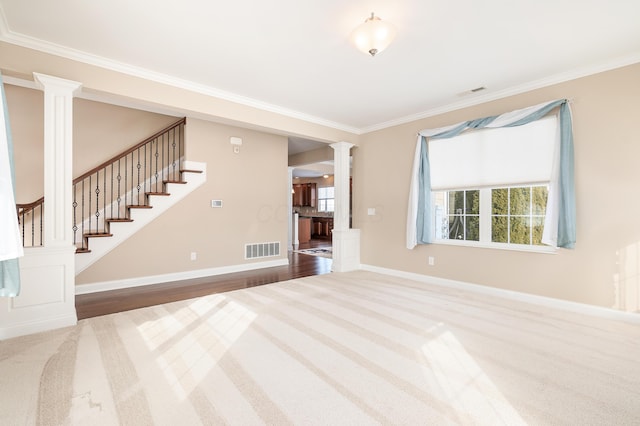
512, 216
326, 199
462, 218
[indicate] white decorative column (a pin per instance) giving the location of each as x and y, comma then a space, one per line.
58, 150
290, 232
47, 294
346, 241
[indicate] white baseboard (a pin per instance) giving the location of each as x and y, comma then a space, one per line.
38, 326
581, 308
177, 276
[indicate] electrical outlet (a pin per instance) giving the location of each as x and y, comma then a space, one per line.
432, 260
194, 255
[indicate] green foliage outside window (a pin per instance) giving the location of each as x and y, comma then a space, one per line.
517, 214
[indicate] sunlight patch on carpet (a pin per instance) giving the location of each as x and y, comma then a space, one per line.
207, 337
468, 389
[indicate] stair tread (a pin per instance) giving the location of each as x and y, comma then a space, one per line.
174, 181
165, 194
120, 220
83, 250
139, 206
97, 234
190, 171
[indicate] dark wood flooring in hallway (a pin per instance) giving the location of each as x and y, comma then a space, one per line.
107, 302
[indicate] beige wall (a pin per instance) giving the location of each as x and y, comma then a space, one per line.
319, 155
26, 116
605, 109
253, 188
100, 131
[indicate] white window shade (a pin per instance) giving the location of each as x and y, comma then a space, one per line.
495, 157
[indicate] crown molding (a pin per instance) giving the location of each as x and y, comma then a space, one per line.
511, 91
8, 36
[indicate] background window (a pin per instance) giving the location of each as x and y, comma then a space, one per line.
326, 199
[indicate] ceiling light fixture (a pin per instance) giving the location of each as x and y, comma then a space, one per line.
373, 36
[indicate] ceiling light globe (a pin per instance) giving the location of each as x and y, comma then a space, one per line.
373, 36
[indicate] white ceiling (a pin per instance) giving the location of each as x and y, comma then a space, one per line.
294, 56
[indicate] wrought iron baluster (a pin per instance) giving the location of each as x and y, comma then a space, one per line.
138, 186
145, 169
157, 155
41, 223
111, 195
162, 162
82, 245
33, 232
75, 208
173, 145
132, 178
97, 192
104, 199
125, 183
119, 179
90, 211
22, 226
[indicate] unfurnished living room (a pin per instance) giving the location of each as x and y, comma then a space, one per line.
319, 213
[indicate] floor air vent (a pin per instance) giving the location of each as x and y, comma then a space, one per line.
253, 251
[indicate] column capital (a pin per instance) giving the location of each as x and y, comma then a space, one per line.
342, 145
56, 84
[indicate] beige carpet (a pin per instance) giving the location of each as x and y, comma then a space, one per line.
338, 349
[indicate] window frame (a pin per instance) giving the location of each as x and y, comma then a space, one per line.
485, 223
325, 199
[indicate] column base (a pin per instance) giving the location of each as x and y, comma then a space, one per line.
47, 294
346, 250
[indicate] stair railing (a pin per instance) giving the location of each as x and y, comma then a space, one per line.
107, 192
31, 222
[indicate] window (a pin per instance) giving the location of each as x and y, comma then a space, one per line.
458, 215
496, 158
512, 216
326, 199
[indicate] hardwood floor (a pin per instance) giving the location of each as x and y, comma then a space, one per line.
107, 302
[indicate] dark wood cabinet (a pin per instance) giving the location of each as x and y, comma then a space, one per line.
322, 226
304, 230
305, 194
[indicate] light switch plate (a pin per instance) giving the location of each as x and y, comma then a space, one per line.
216, 203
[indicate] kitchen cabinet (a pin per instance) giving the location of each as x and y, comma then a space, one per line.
304, 195
304, 230
322, 226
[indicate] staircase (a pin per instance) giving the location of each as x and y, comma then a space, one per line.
114, 200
